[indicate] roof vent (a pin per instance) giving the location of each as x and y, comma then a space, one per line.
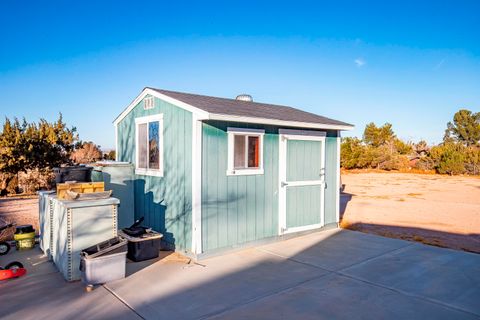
244, 97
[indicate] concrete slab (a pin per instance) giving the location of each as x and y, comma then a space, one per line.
333, 274
33, 260
44, 294
447, 276
175, 290
337, 297
335, 249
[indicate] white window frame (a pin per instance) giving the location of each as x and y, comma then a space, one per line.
142, 120
232, 132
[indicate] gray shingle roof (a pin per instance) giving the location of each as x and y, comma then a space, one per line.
232, 107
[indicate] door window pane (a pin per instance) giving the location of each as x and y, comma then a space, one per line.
239, 152
153, 145
253, 152
142, 146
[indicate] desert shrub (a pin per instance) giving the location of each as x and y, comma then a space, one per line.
88, 152
110, 155
379, 149
472, 163
449, 158
36, 179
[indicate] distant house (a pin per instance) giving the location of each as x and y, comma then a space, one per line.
214, 173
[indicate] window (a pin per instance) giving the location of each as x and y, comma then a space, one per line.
245, 151
149, 145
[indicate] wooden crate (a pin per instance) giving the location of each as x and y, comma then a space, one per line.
81, 187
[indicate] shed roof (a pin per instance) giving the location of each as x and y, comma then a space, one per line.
246, 111
235, 107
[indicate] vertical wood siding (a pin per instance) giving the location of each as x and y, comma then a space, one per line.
240, 209
237, 209
165, 202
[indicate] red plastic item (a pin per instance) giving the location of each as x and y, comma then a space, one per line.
12, 273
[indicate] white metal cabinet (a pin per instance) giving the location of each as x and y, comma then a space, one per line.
45, 199
77, 225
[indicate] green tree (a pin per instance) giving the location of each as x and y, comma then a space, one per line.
352, 150
377, 136
464, 129
27, 146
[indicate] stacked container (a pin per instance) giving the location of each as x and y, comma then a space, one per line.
45, 206
76, 225
104, 261
118, 177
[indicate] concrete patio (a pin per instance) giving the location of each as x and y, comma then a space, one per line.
326, 275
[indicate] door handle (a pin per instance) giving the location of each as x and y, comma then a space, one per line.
283, 184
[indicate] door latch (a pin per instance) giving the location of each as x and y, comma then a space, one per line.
283, 184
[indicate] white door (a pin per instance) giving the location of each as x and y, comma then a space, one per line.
302, 180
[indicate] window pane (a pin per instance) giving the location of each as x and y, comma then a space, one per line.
142, 145
154, 145
239, 152
253, 152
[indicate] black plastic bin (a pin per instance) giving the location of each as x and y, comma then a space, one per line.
73, 173
144, 247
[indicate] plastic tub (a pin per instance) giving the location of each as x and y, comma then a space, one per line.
145, 247
104, 262
73, 173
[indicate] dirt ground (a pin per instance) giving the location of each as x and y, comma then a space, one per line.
433, 209
20, 210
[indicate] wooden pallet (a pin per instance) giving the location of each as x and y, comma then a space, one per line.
83, 187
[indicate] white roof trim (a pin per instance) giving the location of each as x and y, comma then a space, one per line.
224, 117
202, 114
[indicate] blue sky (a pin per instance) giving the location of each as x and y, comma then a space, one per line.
411, 64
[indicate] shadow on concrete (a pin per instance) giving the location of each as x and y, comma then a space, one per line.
466, 242
305, 277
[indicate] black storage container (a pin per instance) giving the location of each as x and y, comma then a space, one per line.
27, 228
144, 247
73, 173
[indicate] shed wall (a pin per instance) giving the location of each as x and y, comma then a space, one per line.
165, 202
241, 209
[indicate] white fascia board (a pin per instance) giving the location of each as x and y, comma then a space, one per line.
223, 117
201, 114
196, 185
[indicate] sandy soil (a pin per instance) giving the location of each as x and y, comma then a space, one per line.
22, 210
433, 209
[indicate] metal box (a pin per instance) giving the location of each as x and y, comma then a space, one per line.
118, 177
77, 225
45, 211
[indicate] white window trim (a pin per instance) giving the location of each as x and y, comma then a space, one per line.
231, 171
149, 172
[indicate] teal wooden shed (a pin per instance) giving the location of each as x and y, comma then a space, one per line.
213, 174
